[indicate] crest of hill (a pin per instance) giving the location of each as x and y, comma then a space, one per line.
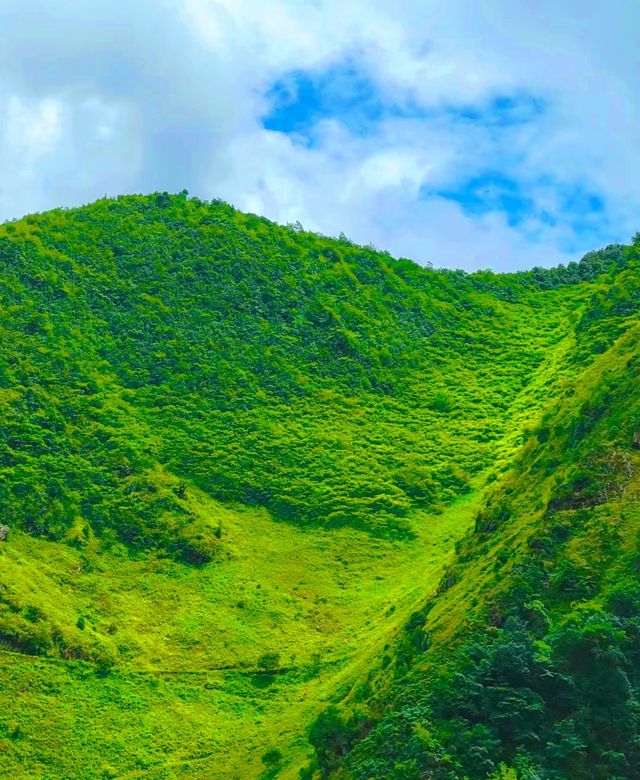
320, 379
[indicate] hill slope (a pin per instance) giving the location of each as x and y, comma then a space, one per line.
233, 455
524, 662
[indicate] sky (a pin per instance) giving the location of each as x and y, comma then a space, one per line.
471, 134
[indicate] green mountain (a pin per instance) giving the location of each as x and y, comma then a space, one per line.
280, 505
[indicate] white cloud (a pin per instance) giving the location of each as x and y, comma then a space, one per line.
32, 129
113, 97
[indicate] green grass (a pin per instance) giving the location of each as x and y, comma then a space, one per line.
187, 697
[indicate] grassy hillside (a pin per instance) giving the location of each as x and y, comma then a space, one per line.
524, 663
236, 458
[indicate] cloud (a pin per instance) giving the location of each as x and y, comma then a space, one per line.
142, 105
468, 134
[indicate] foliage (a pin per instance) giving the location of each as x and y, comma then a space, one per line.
532, 667
266, 365
230, 446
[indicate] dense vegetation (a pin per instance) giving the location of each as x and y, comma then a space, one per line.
525, 662
234, 454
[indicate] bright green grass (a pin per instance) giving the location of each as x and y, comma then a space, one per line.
188, 698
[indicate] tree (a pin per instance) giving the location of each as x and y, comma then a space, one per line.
269, 662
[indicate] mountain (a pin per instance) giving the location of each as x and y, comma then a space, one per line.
280, 505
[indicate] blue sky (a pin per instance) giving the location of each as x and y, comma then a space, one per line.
469, 134
301, 99
346, 94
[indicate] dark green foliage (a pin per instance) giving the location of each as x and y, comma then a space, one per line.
441, 402
403, 747
269, 662
332, 736
272, 757
568, 703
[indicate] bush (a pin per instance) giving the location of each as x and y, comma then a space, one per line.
272, 757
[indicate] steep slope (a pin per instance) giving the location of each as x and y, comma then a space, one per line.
524, 663
233, 455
